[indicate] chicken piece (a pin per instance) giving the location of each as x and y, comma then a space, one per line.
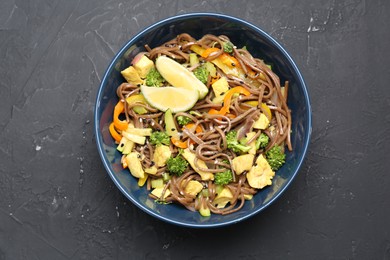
242, 163
261, 174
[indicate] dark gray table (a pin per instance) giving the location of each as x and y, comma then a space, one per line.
57, 202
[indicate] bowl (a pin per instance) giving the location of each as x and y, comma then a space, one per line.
241, 33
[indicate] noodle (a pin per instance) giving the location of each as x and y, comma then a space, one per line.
209, 144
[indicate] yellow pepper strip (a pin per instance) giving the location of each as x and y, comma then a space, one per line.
197, 49
178, 143
142, 181
117, 137
266, 110
119, 124
252, 103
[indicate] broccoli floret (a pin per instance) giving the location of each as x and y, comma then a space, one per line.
262, 141
228, 47
154, 78
202, 73
223, 178
226, 161
183, 120
234, 145
158, 137
177, 165
275, 157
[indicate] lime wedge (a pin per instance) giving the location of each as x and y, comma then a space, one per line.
176, 99
178, 76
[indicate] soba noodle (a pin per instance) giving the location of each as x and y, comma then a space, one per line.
209, 144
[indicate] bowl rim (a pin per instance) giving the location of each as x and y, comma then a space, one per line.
160, 23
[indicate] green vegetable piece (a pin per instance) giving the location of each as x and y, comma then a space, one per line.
211, 69
223, 178
170, 126
122, 143
154, 78
177, 165
218, 189
140, 110
166, 176
195, 113
157, 183
275, 157
205, 193
158, 137
204, 211
262, 141
228, 47
234, 145
183, 120
202, 73
193, 59
128, 147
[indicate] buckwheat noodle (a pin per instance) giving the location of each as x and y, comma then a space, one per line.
210, 145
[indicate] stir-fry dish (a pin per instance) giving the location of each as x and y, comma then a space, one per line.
201, 123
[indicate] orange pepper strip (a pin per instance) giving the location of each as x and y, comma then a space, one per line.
231, 116
198, 128
119, 124
229, 60
117, 137
213, 80
213, 111
179, 143
228, 98
123, 161
208, 51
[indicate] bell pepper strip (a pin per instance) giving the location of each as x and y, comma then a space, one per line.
228, 98
231, 116
252, 103
225, 58
119, 124
142, 181
198, 128
117, 136
178, 143
213, 111
213, 80
123, 161
229, 60
208, 51
190, 126
197, 49
266, 110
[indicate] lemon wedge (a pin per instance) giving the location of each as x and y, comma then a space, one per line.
175, 99
178, 76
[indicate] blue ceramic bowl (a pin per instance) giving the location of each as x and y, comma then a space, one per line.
242, 33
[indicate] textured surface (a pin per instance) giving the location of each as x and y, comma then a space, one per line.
57, 202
